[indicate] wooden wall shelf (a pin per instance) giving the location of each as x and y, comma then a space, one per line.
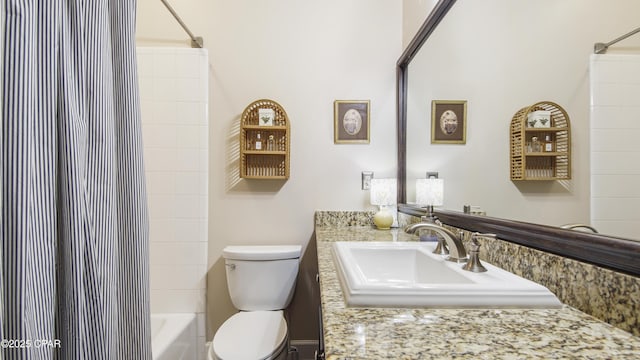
264, 147
541, 153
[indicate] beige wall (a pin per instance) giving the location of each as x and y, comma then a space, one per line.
303, 55
414, 13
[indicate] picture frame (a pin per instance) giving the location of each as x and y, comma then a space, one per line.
351, 121
539, 119
266, 116
449, 122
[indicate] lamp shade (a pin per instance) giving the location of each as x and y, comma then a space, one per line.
384, 192
430, 192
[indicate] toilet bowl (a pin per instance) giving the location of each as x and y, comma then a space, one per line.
261, 280
251, 335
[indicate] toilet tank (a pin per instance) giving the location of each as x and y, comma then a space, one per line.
261, 277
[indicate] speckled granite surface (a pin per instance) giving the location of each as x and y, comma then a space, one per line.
347, 218
395, 333
610, 296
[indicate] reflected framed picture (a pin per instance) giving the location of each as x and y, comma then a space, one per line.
449, 122
351, 121
266, 117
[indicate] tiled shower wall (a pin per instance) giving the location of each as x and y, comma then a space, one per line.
615, 145
174, 96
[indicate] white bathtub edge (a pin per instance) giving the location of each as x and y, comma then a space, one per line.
177, 331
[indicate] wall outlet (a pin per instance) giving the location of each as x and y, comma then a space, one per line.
366, 179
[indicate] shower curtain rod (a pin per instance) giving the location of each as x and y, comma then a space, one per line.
196, 41
601, 48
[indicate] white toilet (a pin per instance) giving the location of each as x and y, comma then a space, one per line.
261, 282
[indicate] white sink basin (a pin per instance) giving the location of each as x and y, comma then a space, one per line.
407, 274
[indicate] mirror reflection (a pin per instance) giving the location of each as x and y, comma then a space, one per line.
500, 56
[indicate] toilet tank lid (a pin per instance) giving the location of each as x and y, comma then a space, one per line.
262, 252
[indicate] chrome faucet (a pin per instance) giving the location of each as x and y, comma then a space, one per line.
457, 252
579, 226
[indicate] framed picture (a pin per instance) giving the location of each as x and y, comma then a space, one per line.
448, 121
266, 117
351, 121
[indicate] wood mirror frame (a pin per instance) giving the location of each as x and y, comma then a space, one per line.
618, 254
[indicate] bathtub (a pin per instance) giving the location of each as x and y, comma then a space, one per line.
173, 336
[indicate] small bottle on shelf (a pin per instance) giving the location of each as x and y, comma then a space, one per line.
250, 143
535, 144
548, 144
271, 143
258, 143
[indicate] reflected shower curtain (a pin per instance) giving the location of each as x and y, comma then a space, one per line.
74, 233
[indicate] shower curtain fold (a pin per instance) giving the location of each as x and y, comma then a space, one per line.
74, 235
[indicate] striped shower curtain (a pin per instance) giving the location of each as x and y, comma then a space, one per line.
74, 231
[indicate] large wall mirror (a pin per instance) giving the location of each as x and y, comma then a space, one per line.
500, 56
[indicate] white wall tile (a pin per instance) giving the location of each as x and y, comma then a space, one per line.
175, 138
201, 325
192, 113
164, 65
191, 183
189, 159
190, 206
603, 117
178, 253
187, 90
615, 130
616, 227
146, 89
159, 135
201, 349
191, 230
616, 208
615, 185
160, 159
189, 64
175, 301
145, 63
613, 163
172, 277
161, 182
624, 140
163, 230
606, 94
161, 206
166, 89
191, 136
166, 112
146, 110
615, 68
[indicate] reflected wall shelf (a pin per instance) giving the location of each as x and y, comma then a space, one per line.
264, 143
541, 153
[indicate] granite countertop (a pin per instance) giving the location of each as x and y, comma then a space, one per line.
422, 333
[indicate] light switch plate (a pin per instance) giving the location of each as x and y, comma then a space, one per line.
366, 179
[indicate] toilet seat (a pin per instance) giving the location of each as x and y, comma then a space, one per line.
250, 335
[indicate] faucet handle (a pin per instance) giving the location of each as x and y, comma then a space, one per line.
474, 264
476, 235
